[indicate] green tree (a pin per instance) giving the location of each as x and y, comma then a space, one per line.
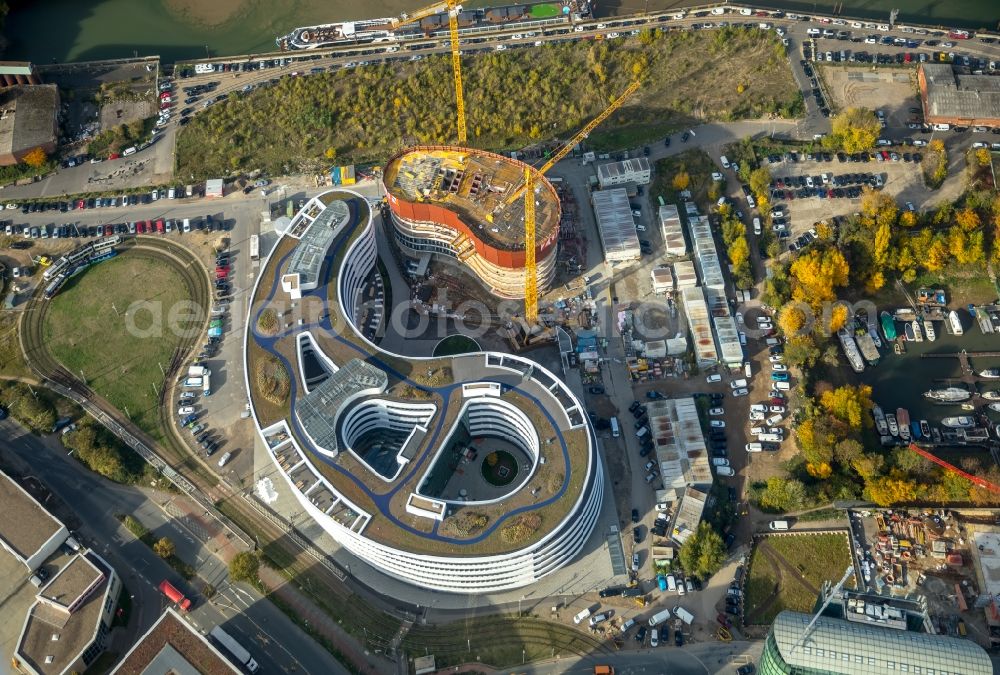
164, 548
704, 553
855, 130
244, 567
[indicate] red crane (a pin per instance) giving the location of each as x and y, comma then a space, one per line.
985, 484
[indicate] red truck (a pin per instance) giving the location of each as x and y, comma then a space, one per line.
174, 595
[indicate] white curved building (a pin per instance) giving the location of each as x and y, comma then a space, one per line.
467, 474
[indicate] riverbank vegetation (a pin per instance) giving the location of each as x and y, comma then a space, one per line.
513, 99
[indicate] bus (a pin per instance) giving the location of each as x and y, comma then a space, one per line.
254, 247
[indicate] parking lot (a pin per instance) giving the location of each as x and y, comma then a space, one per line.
797, 180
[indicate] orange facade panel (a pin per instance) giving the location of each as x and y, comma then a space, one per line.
426, 212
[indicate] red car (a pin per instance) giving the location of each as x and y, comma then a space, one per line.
222, 273
140, 226
81, 204
164, 94
159, 226
109, 230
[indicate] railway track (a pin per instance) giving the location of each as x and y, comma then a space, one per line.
495, 635
45, 365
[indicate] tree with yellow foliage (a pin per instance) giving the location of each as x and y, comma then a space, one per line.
791, 320
817, 273
908, 219
849, 404
855, 130
878, 208
681, 180
739, 252
35, 158
838, 318
937, 255
983, 156
967, 219
895, 488
880, 248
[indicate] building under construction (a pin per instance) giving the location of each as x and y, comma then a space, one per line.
448, 200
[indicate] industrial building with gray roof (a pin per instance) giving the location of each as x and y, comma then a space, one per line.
952, 98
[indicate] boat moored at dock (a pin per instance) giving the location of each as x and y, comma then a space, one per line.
903, 422
880, 423
955, 321
851, 350
990, 373
929, 330
888, 326
948, 395
959, 422
918, 334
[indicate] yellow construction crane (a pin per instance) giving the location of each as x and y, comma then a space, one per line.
452, 8
527, 188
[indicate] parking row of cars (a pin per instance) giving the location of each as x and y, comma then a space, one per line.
76, 230
833, 186
103, 202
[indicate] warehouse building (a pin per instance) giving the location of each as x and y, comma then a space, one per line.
616, 225
673, 232
28, 120
679, 443
951, 98
700, 325
685, 274
628, 171
836, 646
662, 278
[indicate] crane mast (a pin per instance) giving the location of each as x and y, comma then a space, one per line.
452, 8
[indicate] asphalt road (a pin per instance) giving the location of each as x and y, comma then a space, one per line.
275, 642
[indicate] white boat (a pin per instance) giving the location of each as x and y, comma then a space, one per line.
929, 330
956, 322
994, 406
990, 373
851, 350
993, 395
948, 395
918, 334
890, 419
325, 35
960, 422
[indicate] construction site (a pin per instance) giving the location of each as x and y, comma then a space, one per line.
948, 560
452, 201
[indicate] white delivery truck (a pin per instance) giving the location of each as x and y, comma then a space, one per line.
659, 617
684, 615
581, 616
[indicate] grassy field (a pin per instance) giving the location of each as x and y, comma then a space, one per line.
513, 99
786, 572
11, 359
696, 163
87, 329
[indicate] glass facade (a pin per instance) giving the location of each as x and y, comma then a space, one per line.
835, 646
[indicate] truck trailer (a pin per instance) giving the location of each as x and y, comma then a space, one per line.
234, 648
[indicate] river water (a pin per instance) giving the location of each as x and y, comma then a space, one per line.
899, 381
79, 30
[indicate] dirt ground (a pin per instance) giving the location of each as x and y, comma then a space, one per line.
118, 112
893, 90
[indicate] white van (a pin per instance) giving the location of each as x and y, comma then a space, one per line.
772, 342
172, 193
782, 386
770, 438
756, 223
942, 127
659, 617
724, 162
615, 429
773, 420
778, 525
813, 32
671, 583
628, 624
581, 616
683, 615
187, 225
737, 384
225, 459
754, 447
128, 151
747, 370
